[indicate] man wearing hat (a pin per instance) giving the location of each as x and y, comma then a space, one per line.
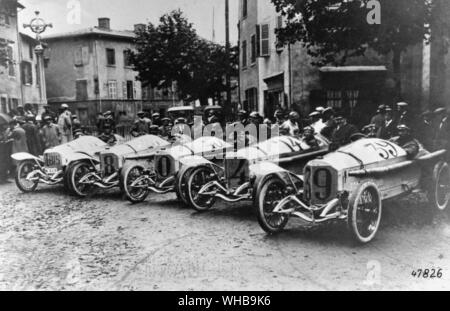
279, 117
156, 119
407, 141
309, 138
425, 134
243, 117
389, 129
108, 136
316, 121
141, 126
18, 136
65, 124
51, 134
292, 125
48, 112
330, 123
403, 114
32, 134
442, 136
379, 118
166, 128
343, 133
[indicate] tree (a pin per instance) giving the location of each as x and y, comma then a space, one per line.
172, 52
332, 30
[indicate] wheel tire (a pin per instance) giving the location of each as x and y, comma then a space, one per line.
129, 175
438, 193
363, 230
192, 185
21, 174
181, 187
75, 173
261, 204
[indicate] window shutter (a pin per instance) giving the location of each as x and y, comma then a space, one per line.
258, 40
78, 57
244, 54
265, 47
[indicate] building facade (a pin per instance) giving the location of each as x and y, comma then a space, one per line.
273, 76
90, 70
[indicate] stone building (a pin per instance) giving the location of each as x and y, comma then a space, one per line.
90, 70
274, 76
19, 84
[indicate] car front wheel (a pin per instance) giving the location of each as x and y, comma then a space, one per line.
199, 178
76, 173
364, 213
270, 195
134, 193
439, 192
23, 170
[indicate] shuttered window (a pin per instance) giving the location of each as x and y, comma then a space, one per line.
11, 65
244, 54
27, 73
265, 39
253, 58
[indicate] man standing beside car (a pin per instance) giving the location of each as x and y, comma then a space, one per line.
51, 134
65, 124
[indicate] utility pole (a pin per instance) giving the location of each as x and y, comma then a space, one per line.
227, 49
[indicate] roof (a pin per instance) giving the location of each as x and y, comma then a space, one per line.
93, 31
353, 68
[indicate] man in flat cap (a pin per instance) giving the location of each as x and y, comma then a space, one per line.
379, 118
141, 126
403, 117
48, 112
343, 133
406, 140
389, 128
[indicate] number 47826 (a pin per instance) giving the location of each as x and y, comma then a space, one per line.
427, 274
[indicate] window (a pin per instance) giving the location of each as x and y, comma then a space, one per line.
11, 65
278, 44
27, 73
265, 46
78, 55
4, 19
112, 89
251, 99
111, 57
127, 58
244, 54
31, 51
244, 8
253, 52
81, 90
3, 106
130, 90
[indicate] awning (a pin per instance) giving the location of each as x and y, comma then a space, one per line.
354, 69
275, 82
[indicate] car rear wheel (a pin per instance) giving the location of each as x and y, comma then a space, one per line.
23, 170
139, 192
199, 178
77, 172
364, 213
439, 193
267, 199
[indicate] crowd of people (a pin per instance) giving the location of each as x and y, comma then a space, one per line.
29, 134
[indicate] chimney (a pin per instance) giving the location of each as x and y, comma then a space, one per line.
104, 23
139, 28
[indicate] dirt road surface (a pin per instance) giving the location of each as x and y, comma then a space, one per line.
52, 241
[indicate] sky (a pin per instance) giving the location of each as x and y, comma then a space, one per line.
125, 13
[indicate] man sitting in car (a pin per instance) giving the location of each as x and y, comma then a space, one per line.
310, 139
108, 136
407, 141
342, 134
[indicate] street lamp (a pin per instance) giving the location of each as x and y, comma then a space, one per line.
38, 26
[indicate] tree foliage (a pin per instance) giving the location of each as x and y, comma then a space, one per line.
173, 52
334, 30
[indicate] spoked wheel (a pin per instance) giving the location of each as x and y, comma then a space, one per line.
270, 195
23, 170
134, 193
199, 178
439, 193
364, 213
76, 173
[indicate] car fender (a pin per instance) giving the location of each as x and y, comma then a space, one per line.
78, 156
264, 170
23, 156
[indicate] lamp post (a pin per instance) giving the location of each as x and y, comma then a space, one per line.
38, 26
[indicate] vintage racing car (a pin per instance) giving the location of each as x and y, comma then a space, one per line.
240, 176
52, 168
90, 173
167, 173
351, 185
